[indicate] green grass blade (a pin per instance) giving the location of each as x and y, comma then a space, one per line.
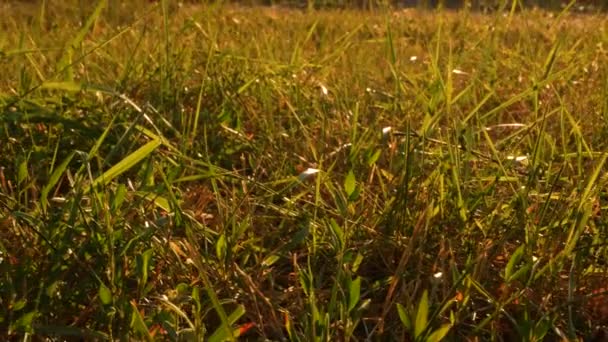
126, 163
55, 176
65, 62
422, 315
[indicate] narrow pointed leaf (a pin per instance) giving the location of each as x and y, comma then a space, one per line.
127, 163
519, 252
440, 333
350, 183
354, 293
105, 295
404, 317
422, 315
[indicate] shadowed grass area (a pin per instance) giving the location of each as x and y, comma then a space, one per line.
189, 172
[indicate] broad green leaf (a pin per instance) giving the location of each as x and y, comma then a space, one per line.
105, 295
422, 315
540, 329
354, 293
440, 333
18, 305
144, 265
22, 174
182, 289
160, 201
51, 290
404, 317
515, 258
236, 314
335, 228
305, 282
270, 260
119, 197
221, 247
350, 183
358, 260
196, 297
373, 158
24, 323
522, 271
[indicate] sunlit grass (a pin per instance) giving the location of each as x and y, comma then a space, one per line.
189, 172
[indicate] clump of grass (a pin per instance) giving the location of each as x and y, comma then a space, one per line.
222, 172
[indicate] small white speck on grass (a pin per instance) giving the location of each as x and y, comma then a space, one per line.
340, 148
323, 89
308, 173
518, 159
130, 185
386, 130
438, 275
505, 125
459, 72
413, 58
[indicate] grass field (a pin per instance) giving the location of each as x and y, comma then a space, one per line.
183, 172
